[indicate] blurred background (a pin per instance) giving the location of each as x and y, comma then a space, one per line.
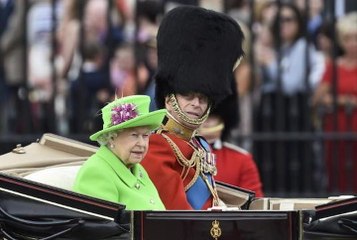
62, 60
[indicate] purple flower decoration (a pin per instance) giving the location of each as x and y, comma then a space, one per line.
123, 113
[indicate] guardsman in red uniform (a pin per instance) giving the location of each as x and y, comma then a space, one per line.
234, 165
197, 52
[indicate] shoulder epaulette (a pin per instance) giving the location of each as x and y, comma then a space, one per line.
236, 148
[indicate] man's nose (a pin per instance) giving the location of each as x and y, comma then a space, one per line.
195, 101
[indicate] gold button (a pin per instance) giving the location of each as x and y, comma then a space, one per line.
137, 185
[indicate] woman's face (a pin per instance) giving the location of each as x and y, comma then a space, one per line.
289, 26
194, 105
349, 43
324, 43
131, 145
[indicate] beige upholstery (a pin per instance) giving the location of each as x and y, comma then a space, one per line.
54, 160
51, 151
61, 177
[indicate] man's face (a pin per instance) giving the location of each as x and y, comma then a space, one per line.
194, 105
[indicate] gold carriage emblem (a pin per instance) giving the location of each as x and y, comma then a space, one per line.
216, 231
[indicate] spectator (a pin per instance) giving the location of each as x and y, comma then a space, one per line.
146, 71
341, 155
289, 72
324, 41
289, 26
91, 91
149, 14
41, 69
98, 30
71, 35
314, 15
122, 70
266, 12
12, 74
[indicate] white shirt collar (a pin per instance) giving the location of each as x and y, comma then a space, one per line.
217, 144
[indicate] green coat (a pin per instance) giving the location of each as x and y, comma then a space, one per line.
104, 176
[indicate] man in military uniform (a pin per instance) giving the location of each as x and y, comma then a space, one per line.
197, 52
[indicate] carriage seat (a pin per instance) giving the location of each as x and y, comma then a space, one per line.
61, 177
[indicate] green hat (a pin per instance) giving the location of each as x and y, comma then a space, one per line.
127, 112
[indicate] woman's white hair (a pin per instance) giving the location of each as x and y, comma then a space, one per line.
105, 138
346, 24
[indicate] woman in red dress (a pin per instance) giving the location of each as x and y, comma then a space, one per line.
341, 155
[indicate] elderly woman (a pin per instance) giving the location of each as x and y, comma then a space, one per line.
114, 172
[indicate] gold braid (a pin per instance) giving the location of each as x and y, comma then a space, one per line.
189, 163
212, 189
186, 163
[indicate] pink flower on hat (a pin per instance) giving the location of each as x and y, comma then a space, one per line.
123, 113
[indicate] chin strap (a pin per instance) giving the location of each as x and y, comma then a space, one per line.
176, 108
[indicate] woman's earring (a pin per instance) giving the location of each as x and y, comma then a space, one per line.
111, 145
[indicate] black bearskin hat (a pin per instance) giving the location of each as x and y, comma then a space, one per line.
197, 50
228, 110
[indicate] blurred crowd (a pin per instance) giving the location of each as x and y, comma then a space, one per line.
62, 60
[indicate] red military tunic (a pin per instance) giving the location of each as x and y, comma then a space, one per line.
171, 176
237, 167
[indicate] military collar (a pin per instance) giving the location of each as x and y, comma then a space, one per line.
174, 127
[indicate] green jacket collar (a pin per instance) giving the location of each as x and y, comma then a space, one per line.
130, 178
